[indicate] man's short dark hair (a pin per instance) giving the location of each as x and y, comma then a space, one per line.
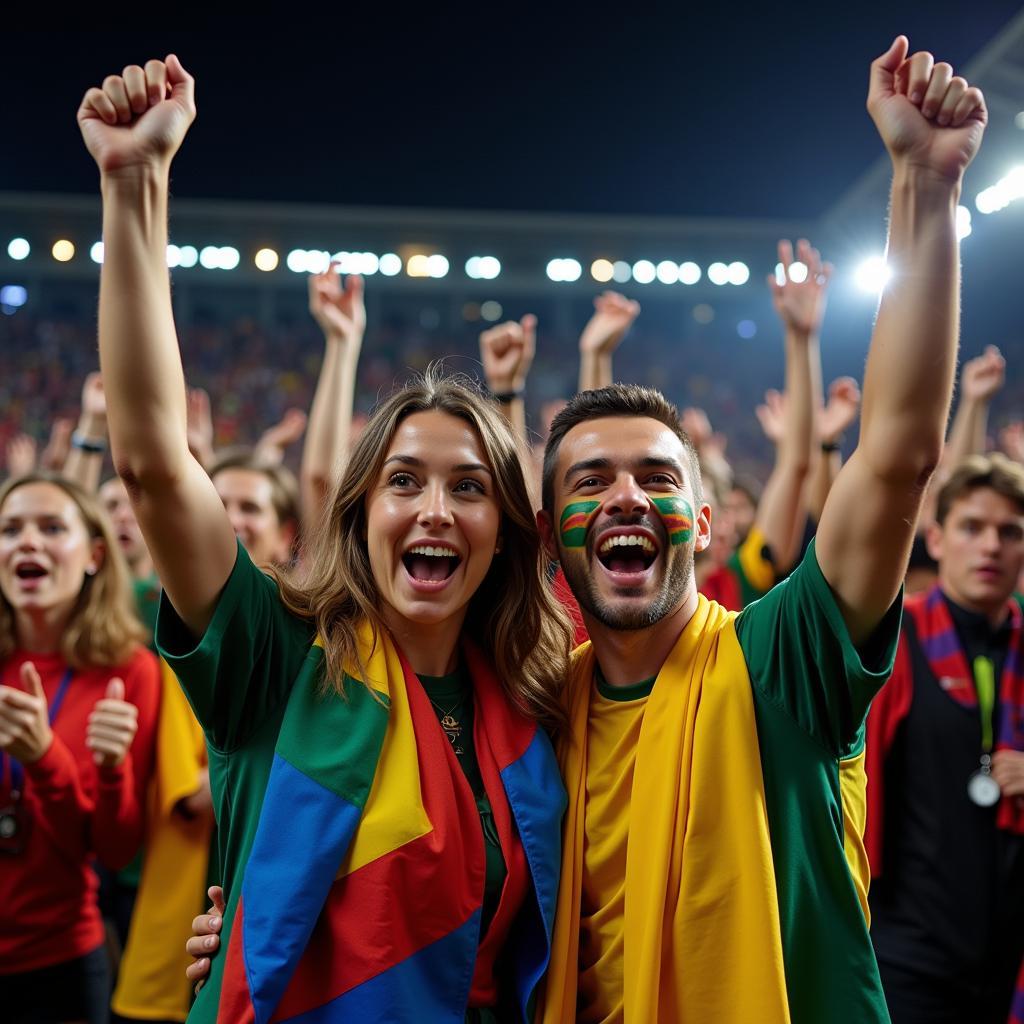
995, 471
284, 488
615, 400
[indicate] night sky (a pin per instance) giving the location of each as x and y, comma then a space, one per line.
722, 112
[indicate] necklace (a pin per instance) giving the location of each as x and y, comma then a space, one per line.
450, 724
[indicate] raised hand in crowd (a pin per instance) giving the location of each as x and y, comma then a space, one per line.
340, 311
55, 454
277, 439
199, 426
771, 414
837, 416
506, 353
24, 718
800, 305
84, 463
112, 726
1011, 439
20, 455
613, 316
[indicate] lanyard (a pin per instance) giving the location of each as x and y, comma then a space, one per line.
985, 686
17, 772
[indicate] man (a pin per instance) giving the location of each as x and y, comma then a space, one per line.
712, 863
945, 821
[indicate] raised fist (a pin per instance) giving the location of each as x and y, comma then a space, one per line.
138, 118
613, 316
983, 376
929, 119
772, 415
506, 352
94, 400
801, 304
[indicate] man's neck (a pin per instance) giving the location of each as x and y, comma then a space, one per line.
995, 613
628, 656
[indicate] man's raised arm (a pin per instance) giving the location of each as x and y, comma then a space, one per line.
931, 123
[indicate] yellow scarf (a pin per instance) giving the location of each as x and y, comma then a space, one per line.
702, 937
151, 981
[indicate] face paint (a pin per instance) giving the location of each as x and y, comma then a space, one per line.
574, 522
677, 516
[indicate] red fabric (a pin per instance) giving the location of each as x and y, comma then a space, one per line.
722, 586
888, 709
560, 586
48, 893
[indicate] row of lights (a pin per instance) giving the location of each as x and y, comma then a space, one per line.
647, 272
1005, 191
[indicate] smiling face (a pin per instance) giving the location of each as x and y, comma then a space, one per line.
45, 549
432, 521
980, 549
625, 528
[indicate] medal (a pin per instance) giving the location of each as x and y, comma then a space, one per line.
982, 789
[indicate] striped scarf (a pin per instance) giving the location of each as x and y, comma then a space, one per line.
361, 897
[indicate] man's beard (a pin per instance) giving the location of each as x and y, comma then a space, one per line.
669, 596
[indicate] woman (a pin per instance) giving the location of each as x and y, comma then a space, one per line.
78, 705
389, 807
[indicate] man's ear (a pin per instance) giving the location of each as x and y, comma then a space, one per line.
933, 537
702, 528
546, 528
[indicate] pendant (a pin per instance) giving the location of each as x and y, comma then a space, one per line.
449, 724
982, 789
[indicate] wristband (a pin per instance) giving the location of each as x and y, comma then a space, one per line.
85, 444
504, 397
831, 446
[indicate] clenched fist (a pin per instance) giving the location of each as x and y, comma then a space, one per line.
138, 119
930, 119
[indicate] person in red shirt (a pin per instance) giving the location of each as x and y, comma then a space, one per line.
79, 696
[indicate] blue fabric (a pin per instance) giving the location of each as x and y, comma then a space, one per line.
303, 833
430, 986
538, 801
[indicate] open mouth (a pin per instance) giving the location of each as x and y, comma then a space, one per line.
627, 553
430, 563
29, 571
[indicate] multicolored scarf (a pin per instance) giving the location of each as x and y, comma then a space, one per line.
362, 894
702, 935
941, 646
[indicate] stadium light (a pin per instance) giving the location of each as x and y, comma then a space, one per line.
872, 275
18, 248
739, 273
644, 272
1019, 120
667, 271
390, 264
1005, 191
689, 272
63, 250
483, 268
491, 311
13, 296
602, 270
266, 260
963, 222
746, 329
188, 256
365, 263
564, 269
418, 265
437, 265
96, 252
718, 273
621, 271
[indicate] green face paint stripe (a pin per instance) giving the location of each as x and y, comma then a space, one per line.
577, 508
677, 517
574, 520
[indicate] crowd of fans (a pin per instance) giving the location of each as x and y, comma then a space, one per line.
106, 812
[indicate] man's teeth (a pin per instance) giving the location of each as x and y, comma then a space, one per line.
432, 552
630, 540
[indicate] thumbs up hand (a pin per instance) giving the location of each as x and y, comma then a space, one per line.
112, 726
24, 718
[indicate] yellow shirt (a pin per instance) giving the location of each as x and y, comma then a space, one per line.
614, 720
